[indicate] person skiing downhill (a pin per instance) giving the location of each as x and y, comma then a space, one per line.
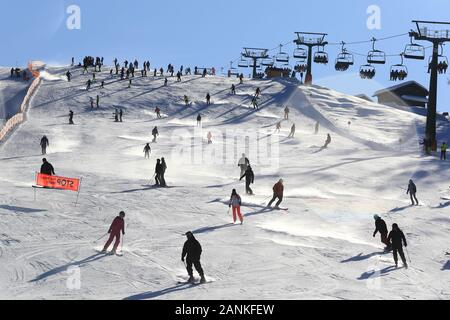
397, 239
147, 151
117, 227
278, 193
235, 204
208, 99
47, 168
192, 251
158, 112
233, 89
163, 172
243, 164
155, 133
44, 144
199, 120
291, 135
327, 142
255, 103
412, 190
69, 76
249, 179
278, 127
381, 227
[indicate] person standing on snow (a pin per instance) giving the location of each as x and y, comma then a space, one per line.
186, 100
120, 115
249, 179
199, 120
147, 151
117, 227
209, 137
235, 203
278, 193
97, 101
316, 131
327, 142
158, 173
155, 133
412, 190
47, 168
69, 76
381, 227
158, 112
163, 173
233, 89
71, 117
243, 164
291, 135
286, 113
444, 151
208, 99
397, 239
44, 144
192, 251
255, 103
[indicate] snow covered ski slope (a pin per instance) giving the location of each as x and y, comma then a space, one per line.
322, 248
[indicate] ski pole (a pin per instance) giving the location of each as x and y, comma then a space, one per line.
408, 254
100, 238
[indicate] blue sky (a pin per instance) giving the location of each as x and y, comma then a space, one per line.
212, 32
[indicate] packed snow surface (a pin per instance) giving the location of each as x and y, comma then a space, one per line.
321, 248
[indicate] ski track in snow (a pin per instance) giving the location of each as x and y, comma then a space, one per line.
322, 248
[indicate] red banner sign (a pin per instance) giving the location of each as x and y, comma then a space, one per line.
54, 182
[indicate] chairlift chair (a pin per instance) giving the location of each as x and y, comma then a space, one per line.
414, 51
376, 56
344, 60
300, 53
321, 56
243, 63
398, 71
267, 62
232, 71
367, 71
282, 57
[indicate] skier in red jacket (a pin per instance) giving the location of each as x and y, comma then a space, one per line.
117, 226
278, 192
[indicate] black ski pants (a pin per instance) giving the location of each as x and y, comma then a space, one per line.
398, 251
196, 263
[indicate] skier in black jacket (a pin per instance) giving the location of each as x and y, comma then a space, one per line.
396, 238
412, 190
249, 179
380, 226
47, 168
44, 144
158, 173
192, 251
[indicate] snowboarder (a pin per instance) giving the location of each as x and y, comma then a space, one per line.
163, 173
233, 89
192, 251
209, 136
412, 190
235, 203
71, 117
199, 120
444, 151
316, 131
47, 168
249, 179
291, 135
208, 99
117, 227
158, 173
158, 112
44, 144
243, 164
380, 226
286, 113
396, 240
278, 193
69, 76
147, 151
327, 142
155, 133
